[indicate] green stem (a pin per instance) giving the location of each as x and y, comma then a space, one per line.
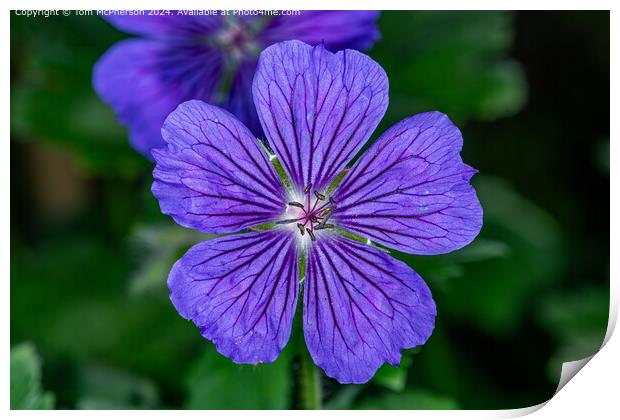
309, 383
309, 377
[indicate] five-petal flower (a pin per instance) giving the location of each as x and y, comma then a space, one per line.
410, 191
211, 58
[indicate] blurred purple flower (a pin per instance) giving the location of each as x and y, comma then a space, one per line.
410, 191
212, 58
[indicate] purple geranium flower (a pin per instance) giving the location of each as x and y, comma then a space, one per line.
410, 191
212, 58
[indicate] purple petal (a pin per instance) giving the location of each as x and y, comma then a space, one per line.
241, 291
160, 24
410, 191
213, 176
317, 108
337, 29
143, 81
361, 307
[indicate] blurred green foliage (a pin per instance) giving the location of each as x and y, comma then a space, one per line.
26, 392
51, 95
216, 383
102, 387
577, 322
412, 399
394, 377
452, 61
157, 247
519, 256
90, 251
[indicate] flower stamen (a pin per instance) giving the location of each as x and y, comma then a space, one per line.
296, 204
313, 216
324, 226
286, 221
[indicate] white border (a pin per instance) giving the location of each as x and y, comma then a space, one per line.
593, 393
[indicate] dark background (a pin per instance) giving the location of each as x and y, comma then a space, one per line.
91, 323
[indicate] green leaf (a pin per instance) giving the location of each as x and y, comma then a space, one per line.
216, 383
414, 399
26, 392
